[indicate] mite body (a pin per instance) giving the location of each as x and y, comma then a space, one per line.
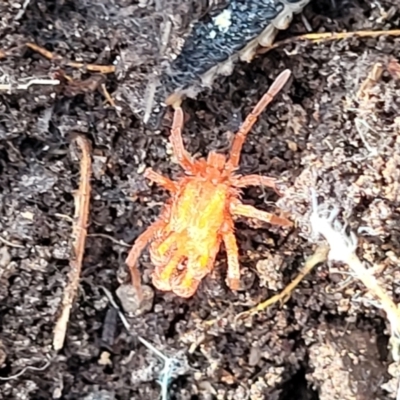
200, 213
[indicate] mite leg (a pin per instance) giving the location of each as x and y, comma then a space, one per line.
255, 180
232, 251
184, 158
139, 245
186, 283
252, 212
166, 245
186, 287
174, 100
162, 275
250, 120
160, 180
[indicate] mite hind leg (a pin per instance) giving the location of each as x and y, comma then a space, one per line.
255, 180
140, 243
232, 252
186, 283
163, 275
248, 211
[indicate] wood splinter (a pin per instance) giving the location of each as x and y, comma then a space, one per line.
103, 69
79, 233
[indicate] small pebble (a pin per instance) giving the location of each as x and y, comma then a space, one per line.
254, 356
129, 300
100, 395
5, 257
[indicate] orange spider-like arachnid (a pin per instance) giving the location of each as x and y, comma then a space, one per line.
200, 214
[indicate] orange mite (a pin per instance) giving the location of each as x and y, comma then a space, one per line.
200, 214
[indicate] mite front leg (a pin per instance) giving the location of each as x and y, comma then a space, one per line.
250, 120
248, 211
232, 251
184, 159
255, 180
160, 180
139, 245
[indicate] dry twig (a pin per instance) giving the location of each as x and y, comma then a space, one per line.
364, 97
23, 370
27, 85
343, 249
75, 87
109, 99
328, 36
11, 244
103, 69
105, 236
320, 255
79, 232
364, 92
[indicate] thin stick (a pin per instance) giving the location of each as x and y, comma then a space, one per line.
103, 69
105, 236
320, 255
23, 370
328, 36
108, 96
343, 249
79, 232
26, 86
11, 244
372, 79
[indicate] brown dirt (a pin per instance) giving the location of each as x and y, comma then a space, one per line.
327, 334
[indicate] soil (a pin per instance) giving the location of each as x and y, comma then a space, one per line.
329, 341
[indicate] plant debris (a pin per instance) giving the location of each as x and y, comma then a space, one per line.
79, 232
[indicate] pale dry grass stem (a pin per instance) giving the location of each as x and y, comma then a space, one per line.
343, 248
